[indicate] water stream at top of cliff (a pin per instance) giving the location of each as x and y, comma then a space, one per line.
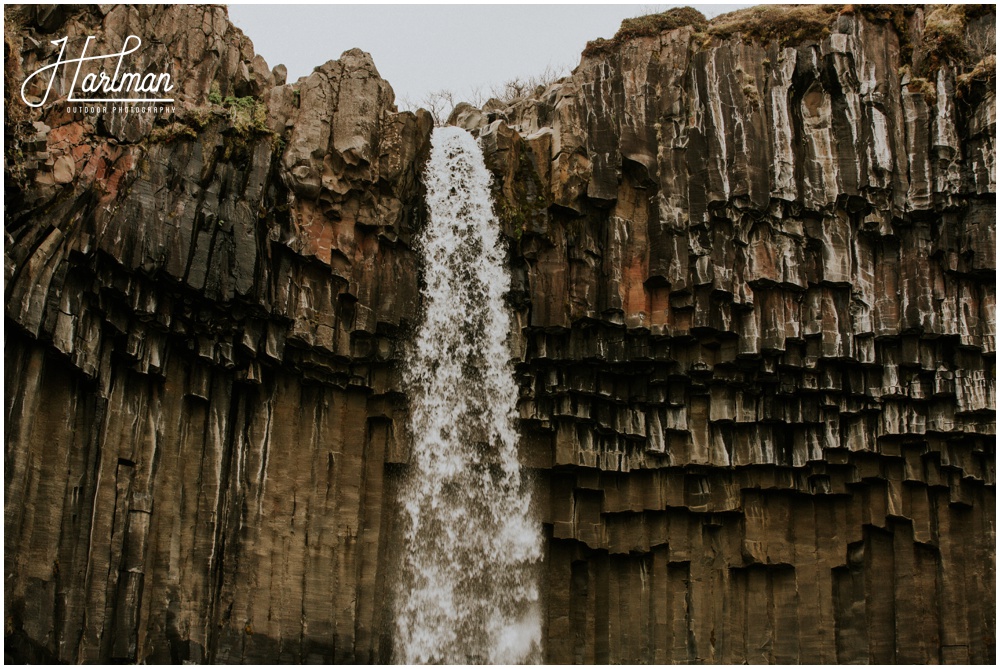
471, 547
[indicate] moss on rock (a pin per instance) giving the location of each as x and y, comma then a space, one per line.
943, 39
984, 72
944, 36
172, 132
788, 25
654, 24
648, 26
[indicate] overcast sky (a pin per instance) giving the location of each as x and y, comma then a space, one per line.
424, 48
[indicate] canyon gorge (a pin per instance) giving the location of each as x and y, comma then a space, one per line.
750, 312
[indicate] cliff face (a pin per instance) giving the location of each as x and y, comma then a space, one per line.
754, 283
758, 309
201, 333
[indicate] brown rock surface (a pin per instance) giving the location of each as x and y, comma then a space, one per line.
201, 331
757, 285
755, 288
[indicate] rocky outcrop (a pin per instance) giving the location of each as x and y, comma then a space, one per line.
755, 296
201, 327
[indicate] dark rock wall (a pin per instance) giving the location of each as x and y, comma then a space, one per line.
757, 298
756, 343
201, 327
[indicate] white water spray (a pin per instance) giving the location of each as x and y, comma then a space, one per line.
470, 546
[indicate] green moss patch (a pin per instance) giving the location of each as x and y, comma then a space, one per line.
173, 132
247, 115
520, 200
246, 120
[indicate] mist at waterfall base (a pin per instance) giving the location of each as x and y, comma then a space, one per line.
471, 548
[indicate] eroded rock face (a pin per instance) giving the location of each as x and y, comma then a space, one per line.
201, 335
754, 289
758, 371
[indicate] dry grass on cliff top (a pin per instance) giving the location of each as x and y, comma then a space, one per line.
945, 35
785, 24
788, 24
943, 38
647, 26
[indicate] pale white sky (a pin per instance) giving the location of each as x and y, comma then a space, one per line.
424, 48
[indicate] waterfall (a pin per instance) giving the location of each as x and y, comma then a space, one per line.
470, 547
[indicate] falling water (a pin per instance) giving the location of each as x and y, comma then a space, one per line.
470, 592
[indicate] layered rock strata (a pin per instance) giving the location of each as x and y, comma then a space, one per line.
755, 298
758, 341
201, 335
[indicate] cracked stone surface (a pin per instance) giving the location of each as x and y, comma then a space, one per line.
754, 296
